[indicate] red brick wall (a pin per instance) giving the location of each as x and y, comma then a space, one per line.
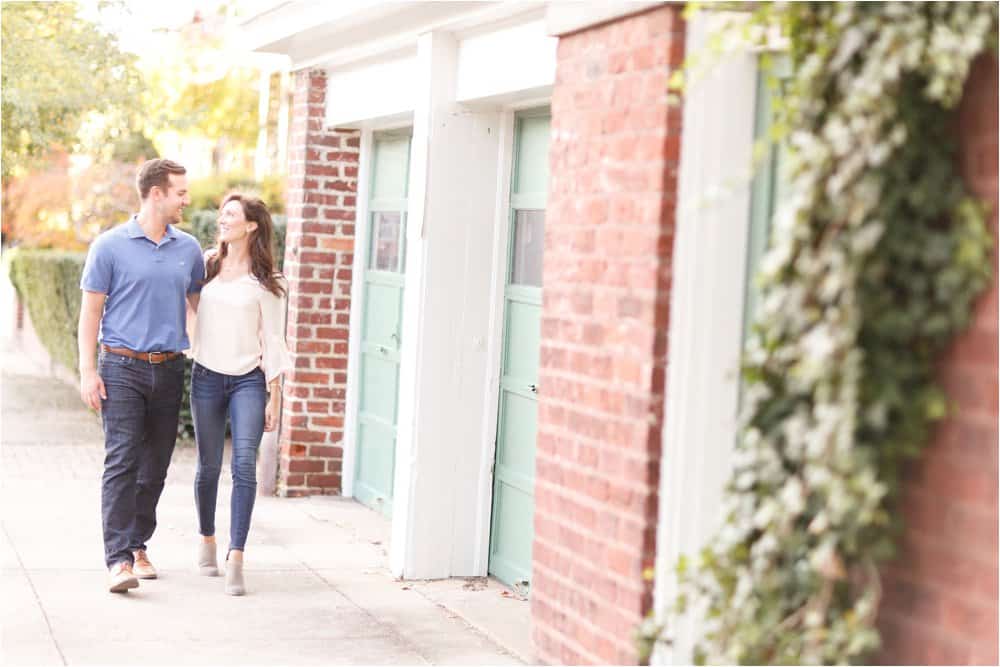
608, 241
941, 593
322, 186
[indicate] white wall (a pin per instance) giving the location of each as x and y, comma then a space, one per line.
706, 316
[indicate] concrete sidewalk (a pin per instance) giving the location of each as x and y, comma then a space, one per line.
319, 591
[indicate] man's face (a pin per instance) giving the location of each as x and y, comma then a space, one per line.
170, 204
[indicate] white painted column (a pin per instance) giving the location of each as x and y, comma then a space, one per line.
706, 316
446, 321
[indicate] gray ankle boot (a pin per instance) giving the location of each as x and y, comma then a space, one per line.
234, 577
207, 564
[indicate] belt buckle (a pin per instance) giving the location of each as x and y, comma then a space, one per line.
149, 357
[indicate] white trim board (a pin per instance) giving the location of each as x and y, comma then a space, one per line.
376, 90
357, 312
706, 316
320, 33
494, 345
514, 58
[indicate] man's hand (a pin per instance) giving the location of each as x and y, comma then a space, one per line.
91, 385
92, 389
271, 412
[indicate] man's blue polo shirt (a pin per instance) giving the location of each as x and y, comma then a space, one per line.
146, 284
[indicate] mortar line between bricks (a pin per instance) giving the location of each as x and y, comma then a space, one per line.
34, 592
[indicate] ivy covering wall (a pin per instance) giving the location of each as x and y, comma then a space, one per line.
876, 258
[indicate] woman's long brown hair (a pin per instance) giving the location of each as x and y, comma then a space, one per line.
261, 256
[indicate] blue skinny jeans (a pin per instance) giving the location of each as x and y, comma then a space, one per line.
243, 398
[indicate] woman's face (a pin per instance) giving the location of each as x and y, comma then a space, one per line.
233, 224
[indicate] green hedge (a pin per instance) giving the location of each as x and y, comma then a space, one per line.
48, 284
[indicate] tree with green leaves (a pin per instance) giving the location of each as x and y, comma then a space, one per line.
57, 68
202, 86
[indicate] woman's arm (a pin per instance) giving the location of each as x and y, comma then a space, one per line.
275, 359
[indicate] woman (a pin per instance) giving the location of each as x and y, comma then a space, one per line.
240, 355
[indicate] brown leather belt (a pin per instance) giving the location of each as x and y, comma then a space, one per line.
151, 357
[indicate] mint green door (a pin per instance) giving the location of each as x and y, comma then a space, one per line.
380, 326
512, 524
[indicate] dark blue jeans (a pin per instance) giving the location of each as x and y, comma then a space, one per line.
140, 429
243, 398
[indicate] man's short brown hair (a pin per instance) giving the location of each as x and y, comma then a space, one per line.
156, 172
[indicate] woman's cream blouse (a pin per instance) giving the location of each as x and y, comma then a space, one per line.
241, 325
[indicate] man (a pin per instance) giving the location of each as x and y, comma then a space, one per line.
134, 286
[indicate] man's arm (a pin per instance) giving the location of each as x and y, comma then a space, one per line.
91, 386
191, 315
197, 277
194, 293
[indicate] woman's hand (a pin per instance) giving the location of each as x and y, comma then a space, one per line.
271, 412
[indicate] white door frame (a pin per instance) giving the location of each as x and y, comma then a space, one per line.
494, 345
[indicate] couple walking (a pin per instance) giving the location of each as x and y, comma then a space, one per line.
135, 283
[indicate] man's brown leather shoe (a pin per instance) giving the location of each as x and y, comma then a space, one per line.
142, 567
121, 578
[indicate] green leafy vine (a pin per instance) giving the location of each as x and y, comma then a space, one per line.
877, 256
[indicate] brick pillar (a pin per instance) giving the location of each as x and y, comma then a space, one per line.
322, 186
940, 604
608, 242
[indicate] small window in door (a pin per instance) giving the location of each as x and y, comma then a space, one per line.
529, 244
386, 228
